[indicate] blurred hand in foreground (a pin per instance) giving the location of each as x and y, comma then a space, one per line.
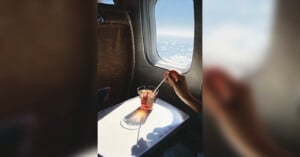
230, 103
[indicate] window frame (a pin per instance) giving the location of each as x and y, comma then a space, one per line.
150, 39
99, 2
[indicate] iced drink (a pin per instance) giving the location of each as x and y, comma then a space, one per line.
147, 96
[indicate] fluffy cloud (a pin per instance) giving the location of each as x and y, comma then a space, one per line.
238, 48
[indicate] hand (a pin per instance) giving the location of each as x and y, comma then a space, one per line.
231, 104
178, 83
225, 97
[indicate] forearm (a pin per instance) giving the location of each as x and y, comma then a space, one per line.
192, 102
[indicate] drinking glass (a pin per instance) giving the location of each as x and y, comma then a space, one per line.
147, 96
138, 117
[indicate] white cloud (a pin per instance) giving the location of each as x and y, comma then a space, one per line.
177, 32
179, 59
236, 34
237, 48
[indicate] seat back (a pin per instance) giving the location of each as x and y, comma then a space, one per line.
115, 52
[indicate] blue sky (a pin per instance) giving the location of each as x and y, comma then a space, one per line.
175, 17
106, 1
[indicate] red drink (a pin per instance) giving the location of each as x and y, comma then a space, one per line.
147, 97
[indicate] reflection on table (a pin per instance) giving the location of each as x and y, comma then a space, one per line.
114, 140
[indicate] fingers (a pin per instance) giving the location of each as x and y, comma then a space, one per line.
219, 90
174, 75
170, 80
166, 74
174, 78
210, 100
220, 84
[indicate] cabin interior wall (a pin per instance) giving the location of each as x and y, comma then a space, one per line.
146, 74
47, 56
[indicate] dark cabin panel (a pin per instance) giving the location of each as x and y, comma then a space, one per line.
48, 59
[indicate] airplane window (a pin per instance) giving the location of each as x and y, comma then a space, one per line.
106, 1
175, 31
236, 34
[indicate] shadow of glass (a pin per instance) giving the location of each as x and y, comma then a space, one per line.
135, 119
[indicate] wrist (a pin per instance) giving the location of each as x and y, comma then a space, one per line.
187, 98
192, 102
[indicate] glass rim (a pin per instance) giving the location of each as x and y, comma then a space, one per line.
150, 87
